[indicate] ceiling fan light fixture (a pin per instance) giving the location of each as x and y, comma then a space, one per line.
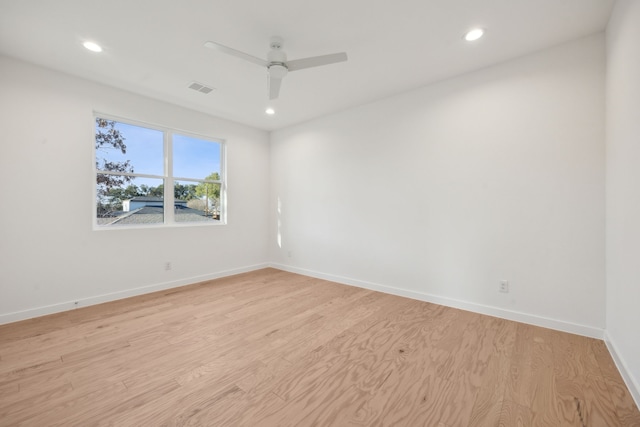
277, 71
92, 46
270, 111
474, 34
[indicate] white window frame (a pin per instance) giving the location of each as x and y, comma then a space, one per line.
167, 177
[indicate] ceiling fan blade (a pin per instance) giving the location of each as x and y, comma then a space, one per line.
225, 49
316, 61
274, 87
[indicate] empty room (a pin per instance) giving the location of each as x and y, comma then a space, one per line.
295, 213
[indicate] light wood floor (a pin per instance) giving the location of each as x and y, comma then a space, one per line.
271, 348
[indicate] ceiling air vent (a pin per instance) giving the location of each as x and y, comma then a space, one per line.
200, 87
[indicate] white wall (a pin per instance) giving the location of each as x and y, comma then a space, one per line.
50, 256
442, 192
623, 189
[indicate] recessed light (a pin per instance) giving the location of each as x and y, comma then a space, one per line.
270, 111
474, 34
93, 47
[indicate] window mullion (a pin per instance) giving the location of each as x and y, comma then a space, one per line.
133, 175
223, 184
169, 202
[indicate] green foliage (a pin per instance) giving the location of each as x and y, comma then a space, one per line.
157, 191
184, 192
208, 189
109, 138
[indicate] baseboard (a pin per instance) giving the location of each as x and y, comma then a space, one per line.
632, 383
99, 299
516, 316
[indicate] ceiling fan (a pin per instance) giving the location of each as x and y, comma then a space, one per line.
277, 64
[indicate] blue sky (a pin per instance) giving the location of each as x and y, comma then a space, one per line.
192, 157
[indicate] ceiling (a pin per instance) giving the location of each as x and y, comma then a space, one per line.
155, 47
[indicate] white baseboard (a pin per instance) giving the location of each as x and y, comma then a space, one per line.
99, 299
516, 316
633, 384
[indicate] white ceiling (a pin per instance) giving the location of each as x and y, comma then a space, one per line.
155, 47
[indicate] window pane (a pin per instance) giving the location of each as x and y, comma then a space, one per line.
126, 148
125, 200
196, 158
197, 201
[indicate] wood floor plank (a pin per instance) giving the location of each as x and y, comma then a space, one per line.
514, 415
363, 312
585, 401
574, 356
273, 348
490, 396
544, 401
88, 407
487, 409
329, 363
521, 382
626, 409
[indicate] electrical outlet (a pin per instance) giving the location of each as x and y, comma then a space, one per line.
289, 253
167, 266
504, 286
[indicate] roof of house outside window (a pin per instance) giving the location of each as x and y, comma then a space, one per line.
153, 214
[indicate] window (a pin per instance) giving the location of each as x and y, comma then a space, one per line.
150, 176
